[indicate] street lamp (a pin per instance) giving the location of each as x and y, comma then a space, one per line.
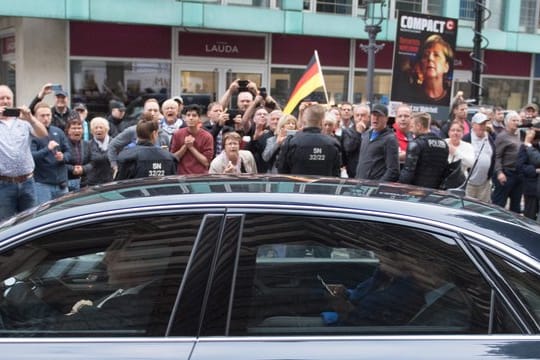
373, 18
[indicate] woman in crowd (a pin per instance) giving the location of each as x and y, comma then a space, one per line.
101, 171
232, 160
287, 123
459, 149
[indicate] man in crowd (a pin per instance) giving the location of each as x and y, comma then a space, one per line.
117, 124
379, 155
192, 145
128, 137
50, 156
60, 109
458, 112
309, 152
346, 114
16, 163
352, 137
427, 155
479, 185
506, 179
402, 128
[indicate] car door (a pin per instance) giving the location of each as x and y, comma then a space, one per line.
154, 256
437, 303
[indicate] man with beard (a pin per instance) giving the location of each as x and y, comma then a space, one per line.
233, 160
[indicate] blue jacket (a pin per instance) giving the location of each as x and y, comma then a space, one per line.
48, 170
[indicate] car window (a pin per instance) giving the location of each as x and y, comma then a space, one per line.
115, 278
524, 283
310, 275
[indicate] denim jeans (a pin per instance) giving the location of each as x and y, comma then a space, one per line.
16, 197
46, 192
511, 189
74, 184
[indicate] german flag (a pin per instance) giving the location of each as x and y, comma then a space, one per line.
309, 82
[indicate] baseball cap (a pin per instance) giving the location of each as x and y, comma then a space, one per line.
80, 106
380, 109
479, 118
61, 93
178, 99
117, 105
532, 105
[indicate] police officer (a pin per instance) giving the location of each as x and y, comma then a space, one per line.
309, 152
427, 155
146, 159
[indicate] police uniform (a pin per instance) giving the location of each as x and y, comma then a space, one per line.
310, 153
425, 162
144, 160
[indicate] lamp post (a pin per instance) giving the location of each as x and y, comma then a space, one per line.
372, 20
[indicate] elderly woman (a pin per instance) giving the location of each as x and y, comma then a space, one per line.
286, 125
232, 160
101, 171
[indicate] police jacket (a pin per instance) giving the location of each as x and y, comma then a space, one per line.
309, 152
144, 160
425, 162
48, 170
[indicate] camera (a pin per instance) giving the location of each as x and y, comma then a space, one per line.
11, 112
263, 93
232, 114
243, 85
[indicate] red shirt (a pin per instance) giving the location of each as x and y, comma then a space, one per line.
401, 137
204, 143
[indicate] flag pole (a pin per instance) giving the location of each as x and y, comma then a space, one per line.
323, 82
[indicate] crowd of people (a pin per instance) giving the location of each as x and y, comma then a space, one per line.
46, 151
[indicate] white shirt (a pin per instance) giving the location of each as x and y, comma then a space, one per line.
480, 172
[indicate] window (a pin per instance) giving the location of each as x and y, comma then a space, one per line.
381, 87
466, 9
525, 283
510, 93
314, 275
96, 82
123, 275
528, 16
7, 61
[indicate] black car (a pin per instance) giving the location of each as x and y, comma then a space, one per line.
261, 267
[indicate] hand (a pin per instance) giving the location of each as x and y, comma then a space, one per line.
234, 86
529, 136
45, 90
52, 145
360, 126
224, 117
501, 178
252, 87
78, 305
230, 168
26, 114
338, 290
189, 141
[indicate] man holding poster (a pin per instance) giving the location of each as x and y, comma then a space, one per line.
423, 62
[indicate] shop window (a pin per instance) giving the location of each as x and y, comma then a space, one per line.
283, 81
382, 83
509, 93
97, 82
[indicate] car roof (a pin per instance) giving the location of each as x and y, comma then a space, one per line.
287, 191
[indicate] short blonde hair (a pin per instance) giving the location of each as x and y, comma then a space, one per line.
98, 121
286, 119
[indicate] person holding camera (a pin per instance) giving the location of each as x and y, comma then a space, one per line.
51, 155
16, 163
245, 91
60, 110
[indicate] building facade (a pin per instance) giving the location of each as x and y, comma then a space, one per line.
131, 49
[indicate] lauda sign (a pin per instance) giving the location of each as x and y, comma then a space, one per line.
216, 45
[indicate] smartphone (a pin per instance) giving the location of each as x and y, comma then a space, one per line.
11, 112
319, 277
243, 85
56, 87
263, 93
